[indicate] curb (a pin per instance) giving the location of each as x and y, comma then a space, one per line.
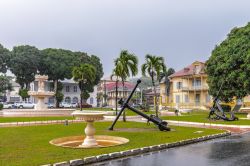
208, 124
133, 152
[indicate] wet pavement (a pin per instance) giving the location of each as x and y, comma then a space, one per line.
229, 151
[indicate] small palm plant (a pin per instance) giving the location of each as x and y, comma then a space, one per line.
85, 75
126, 65
153, 67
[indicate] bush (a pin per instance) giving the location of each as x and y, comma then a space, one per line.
1, 106
145, 107
225, 107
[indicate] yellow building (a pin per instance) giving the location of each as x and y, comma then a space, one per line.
188, 88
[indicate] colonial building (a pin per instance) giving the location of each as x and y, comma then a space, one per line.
106, 92
188, 88
70, 91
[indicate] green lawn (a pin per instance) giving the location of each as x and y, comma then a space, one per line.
201, 116
30, 145
28, 119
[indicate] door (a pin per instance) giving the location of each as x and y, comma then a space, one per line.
197, 99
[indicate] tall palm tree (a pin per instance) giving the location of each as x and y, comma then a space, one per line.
164, 77
116, 89
85, 75
153, 67
126, 65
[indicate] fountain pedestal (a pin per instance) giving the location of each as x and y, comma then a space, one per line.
246, 110
41, 94
89, 117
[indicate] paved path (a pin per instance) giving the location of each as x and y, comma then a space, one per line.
233, 128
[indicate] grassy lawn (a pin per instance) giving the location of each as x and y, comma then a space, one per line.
30, 145
201, 116
28, 119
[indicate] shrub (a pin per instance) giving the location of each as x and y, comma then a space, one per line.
226, 108
1, 106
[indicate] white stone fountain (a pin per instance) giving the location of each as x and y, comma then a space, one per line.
41, 94
41, 109
89, 117
90, 140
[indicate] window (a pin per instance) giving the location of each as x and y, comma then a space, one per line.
196, 83
51, 88
91, 100
208, 98
75, 100
75, 88
178, 85
51, 100
197, 69
67, 100
186, 99
177, 98
67, 88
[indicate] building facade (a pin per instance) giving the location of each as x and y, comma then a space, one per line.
106, 92
71, 92
188, 88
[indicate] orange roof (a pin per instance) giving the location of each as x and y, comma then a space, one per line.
189, 70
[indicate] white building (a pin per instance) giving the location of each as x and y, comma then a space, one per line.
70, 91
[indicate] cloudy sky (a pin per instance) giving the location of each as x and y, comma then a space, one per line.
181, 31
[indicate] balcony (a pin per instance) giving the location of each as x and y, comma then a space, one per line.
194, 88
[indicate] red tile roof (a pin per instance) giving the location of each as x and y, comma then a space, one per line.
111, 86
189, 70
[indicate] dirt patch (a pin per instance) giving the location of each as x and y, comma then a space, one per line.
135, 129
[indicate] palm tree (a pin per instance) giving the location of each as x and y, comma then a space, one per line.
153, 67
116, 89
85, 76
126, 65
166, 80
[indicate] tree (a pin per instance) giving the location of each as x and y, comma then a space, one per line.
153, 67
57, 64
23, 93
5, 84
4, 59
116, 78
85, 75
58, 94
126, 65
24, 64
83, 58
165, 76
228, 67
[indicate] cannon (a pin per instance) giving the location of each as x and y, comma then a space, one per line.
162, 125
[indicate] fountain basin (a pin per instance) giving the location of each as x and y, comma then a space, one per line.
36, 113
76, 141
246, 110
41, 94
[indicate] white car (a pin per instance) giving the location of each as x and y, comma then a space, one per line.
50, 105
74, 105
8, 105
65, 105
24, 105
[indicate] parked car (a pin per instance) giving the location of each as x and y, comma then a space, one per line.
50, 105
24, 105
74, 105
8, 105
65, 105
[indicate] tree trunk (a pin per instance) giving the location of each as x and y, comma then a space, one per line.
116, 98
55, 90
81, 94
156, 98
123, 98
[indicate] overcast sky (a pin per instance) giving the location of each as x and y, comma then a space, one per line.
181, 31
